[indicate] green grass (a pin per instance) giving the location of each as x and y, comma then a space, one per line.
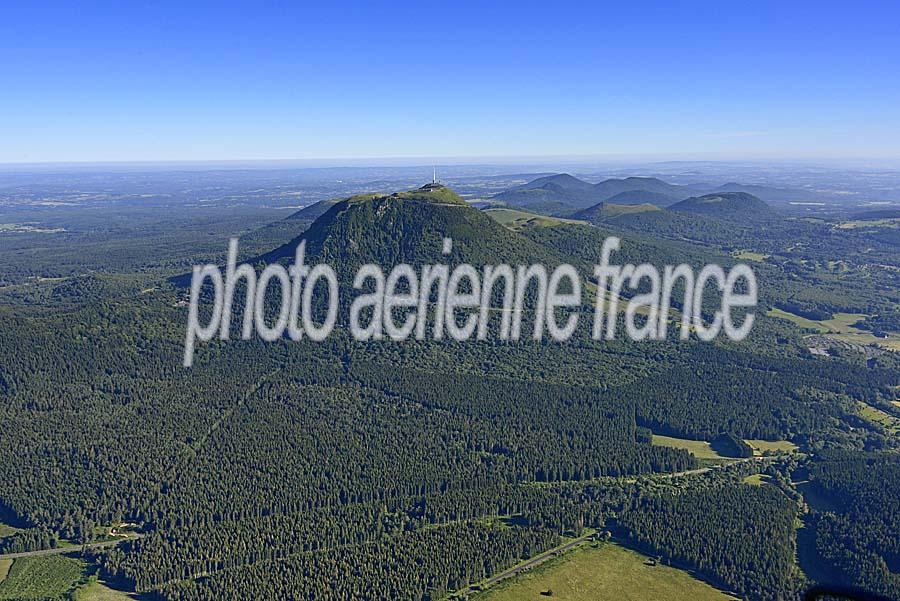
778, 446
41, 578
890, 223
887, 421
861, 337
698, 448
756, 479
840, 323
749, 255
94, 590
516, 220
5, 564
607, 572
803, 322
840, 327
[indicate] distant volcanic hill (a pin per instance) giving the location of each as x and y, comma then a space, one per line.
768, 193
606, 211
551, 193
725, 205
641, 197
555, 193
640, 190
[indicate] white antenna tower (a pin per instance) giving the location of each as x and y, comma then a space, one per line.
434, 174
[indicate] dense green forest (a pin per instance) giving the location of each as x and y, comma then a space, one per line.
342, 469
742, 535
857, 531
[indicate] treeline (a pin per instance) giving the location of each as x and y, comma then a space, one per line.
709, 389
807, 310
31, 539
881, 324
206, 547
741, 537
729, 445
415, 566
859, 538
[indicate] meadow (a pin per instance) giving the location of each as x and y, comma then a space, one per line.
40, 578
841, 327
700, 449
775, 446
605, 572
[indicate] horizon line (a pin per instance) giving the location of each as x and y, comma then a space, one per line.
455, 160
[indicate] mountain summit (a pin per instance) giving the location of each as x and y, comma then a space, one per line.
409, 227
725, 205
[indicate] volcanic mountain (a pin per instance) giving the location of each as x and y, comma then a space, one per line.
409, 227
725, 205
555, 193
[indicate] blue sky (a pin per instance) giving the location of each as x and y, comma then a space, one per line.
137, 81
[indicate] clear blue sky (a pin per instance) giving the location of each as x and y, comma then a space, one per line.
134, 80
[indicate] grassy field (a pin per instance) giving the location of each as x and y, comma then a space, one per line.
515, 220
698, 448
749, 255
605, 573
803, 322
756, 479
840, 323
761, 446
840, 327
40, 577
5, 564
890, 423
891, 223
94, 590
892, 342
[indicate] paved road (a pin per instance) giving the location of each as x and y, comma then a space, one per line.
534, 561
71, 549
